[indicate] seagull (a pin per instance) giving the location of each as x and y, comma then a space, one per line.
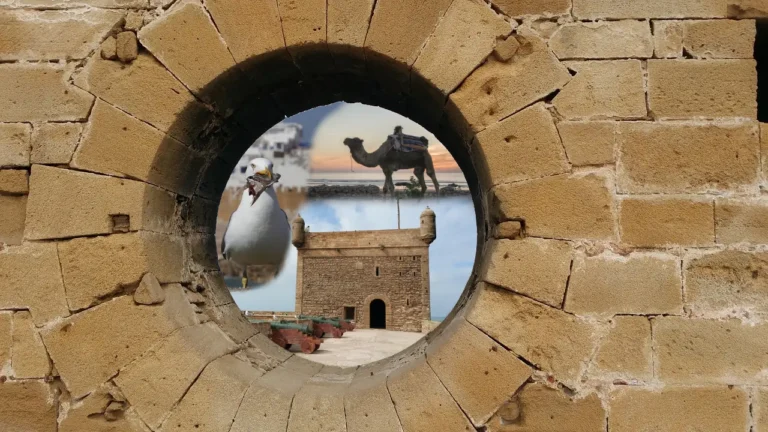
258, 232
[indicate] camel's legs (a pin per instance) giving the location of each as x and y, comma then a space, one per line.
419, 173
431, 172
389, 185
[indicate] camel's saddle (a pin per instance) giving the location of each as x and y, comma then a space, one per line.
408, 143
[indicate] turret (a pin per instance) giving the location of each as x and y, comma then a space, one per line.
427, 227
297, 231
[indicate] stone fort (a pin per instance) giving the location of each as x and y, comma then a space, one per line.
378, 278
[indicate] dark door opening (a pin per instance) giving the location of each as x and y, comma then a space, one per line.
378, 314
761, 56
349, 312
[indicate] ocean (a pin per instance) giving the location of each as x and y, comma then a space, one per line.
377, 178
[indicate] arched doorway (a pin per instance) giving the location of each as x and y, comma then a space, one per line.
378, 314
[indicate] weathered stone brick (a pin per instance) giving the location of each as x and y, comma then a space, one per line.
431, 398
118, 327
303, 22
14, 182
695, 351
626, 351
117, 144
54, 143
319, 404
741, 220
497, 89
39, 92
594, 9
30, 359
186, 41
727, 282
760, 410
6, 337
112, 4
748, 8
764, 152
521, 147
603, 39
565, 206
368, 405
65, 203
154, 383
668, 38
32, 280
464, 37
91, 413
148, 91
48, 35
213, 400
14, 145
12, 219
659, 222
637, 284
517, 8
479, 373
27, 406
126, 46
557, 342
533, 267
675, 409
603, 89
348, 22
688, 158
250, 27
542, 409
588, 142
94, 268
699, 88
720, 39
232, 322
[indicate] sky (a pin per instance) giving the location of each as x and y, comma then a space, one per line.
451, 255
369, 123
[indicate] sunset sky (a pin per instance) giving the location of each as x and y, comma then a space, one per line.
372, 125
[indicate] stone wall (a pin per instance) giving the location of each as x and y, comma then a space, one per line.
620, 136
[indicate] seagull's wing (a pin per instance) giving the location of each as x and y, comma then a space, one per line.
224, 237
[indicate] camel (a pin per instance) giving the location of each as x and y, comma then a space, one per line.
391, 160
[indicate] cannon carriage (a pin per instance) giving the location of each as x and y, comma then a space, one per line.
286, 334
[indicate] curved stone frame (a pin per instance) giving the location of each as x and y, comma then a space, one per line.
387, 303
134, 207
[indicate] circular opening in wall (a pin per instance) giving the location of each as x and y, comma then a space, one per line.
347, 233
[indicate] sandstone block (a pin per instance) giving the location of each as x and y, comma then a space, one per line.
319, 404
679, 408
564, 206
27, 406
741, 220
727, 282
118, 327
516, 8
50, 35
698, 88
155, 383
101, 412
508, 230
347, 28
65, 203
14, 145
626, 352
54, 143
533, 267
521, 147
594, 9
134, 20
659, 222
668, 38
497, 89
637, 284
687, 158
126, 46
165, 103
25, 85
231, 320
249, 27
538, 408
94, 268
111, 4
267, 403
760, 410
368, 406
213, 400
747, 9
30, 359
479, 373
588, 142
109, 48
6, 337
431, 398
549, 338
14, 182
149, 291
186, 41
603, 89
720, 39
117, 144
692, 351
603, 39
506, 48
12, 219
32, 280
303, 22
464, 37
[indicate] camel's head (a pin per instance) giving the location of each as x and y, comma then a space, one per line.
353, 142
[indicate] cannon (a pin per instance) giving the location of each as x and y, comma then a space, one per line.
344, 324
286, 334
323, 326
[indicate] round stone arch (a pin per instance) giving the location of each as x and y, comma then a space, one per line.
586, 223
367, 311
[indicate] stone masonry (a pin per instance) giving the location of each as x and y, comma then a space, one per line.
620, 176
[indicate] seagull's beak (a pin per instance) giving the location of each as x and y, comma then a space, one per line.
266, 173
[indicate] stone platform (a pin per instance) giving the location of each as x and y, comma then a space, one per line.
360, 346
